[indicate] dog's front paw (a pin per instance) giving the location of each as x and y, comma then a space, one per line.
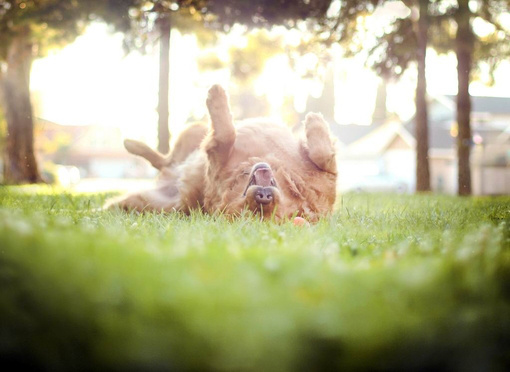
217, 99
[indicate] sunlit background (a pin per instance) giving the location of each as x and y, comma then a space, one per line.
90, 95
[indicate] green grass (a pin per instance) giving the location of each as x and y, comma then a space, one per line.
387, 282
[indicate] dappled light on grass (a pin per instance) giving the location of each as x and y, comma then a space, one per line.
395, 282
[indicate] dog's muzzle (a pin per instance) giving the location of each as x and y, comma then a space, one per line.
261, 176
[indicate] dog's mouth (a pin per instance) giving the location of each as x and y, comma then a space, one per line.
261, 175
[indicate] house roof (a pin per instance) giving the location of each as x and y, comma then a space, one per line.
490, 105
371, 139
439, 133
380, 138
345, 133
350, 133
442, 116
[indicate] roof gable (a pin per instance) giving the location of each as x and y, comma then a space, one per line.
381, 138
350, 133
398, 143
488, 105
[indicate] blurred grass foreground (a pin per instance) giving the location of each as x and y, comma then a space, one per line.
388, 282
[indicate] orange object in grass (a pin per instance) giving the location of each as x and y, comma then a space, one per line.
300, 221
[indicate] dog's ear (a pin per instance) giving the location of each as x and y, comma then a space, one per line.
156, 159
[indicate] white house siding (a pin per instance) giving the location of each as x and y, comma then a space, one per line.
443, 173
109, 168
351, 171
490, 170
401, 164
491, 180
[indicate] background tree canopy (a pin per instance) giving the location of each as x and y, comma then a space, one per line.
29, 28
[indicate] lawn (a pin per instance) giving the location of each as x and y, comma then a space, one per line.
388, 282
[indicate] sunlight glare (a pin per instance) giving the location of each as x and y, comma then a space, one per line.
92, 82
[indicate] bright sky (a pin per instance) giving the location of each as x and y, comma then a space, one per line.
92, 82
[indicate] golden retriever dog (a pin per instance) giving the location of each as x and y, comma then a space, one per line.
256, 166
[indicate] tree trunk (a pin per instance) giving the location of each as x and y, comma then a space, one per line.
464, 50
422, 135
164, 77
20, 165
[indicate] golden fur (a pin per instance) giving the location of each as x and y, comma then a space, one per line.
213, 168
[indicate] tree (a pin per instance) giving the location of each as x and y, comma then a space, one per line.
263, 13
20, 164
166, 13
163, 16
454, 32
404, 41
165, 29
421, 117
27, 30
464, 45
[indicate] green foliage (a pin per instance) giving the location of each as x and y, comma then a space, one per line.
53, 23
181, 15
249, 61
204, 17
387, 282
258, 13
210, 61
394, 48
395, 51
490, 45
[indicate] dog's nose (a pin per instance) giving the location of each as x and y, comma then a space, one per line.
264, 195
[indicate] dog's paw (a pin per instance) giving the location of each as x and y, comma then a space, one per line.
317, 130
217, 98
315, 121
320, 144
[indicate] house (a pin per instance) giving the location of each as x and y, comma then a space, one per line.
97, 151
490, 146
382, 156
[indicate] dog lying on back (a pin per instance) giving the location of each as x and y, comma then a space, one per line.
255, 166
